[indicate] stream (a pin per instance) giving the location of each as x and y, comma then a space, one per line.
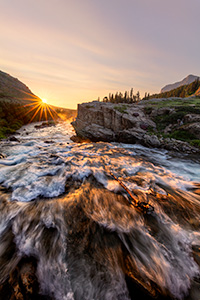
64, 214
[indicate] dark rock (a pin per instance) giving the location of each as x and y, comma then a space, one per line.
135, 114
144, 126
22, 283
13, 139
2, 156
49, 142
45, 124
78, 139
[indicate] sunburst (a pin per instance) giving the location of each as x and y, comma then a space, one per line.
39, 107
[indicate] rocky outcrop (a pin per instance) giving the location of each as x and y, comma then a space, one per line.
108, 122
125, 123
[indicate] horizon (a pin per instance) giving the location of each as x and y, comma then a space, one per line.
73, 52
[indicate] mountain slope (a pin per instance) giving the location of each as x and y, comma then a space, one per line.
13, 89
187, 80
19, 106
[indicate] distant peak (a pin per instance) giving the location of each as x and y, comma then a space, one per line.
187, 80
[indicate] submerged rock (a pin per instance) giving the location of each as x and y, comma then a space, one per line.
13, 139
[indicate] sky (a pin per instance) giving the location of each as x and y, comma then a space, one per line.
74, 51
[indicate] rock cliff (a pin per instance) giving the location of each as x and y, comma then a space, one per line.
126, 123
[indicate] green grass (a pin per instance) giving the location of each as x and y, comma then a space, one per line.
174, 102
122, 109
195, 143
182, 135
180, 109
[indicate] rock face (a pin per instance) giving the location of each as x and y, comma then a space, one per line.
108, 122
125, 123
187, 80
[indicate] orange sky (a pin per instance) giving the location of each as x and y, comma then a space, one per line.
72, 51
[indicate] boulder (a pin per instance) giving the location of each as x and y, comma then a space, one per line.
193, 128
191, 118
13, 139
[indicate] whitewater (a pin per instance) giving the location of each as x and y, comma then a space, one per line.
61, 206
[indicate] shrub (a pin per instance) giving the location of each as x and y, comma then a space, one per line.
182, 135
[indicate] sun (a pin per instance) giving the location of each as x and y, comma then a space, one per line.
44, 100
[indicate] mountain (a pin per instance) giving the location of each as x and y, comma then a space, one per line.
19, 106
13, 89
187, 80
197, 93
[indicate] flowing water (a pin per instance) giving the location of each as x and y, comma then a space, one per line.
61, 206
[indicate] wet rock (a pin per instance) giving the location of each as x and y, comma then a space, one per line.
13, 139
49, 142
2, 155
22, 283
44, 124
78, 139
152, 141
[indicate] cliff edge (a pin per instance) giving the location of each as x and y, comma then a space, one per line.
136, 123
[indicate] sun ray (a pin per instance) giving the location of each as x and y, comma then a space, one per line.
31, 109
45, 112
50, 113
35, 114
41, 112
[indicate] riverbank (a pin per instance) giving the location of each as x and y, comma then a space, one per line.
171, 124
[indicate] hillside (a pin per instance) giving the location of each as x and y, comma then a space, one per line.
19, 106
13, 90
187, 80
192, 89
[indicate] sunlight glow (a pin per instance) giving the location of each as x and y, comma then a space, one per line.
40, 108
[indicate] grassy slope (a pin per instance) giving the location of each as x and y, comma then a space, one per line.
181, 107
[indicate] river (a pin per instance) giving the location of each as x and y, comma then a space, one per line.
62, 209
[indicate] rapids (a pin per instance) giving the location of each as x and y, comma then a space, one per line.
61, 208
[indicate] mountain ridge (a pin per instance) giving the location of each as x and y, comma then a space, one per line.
20, 106
187, 80
13, 89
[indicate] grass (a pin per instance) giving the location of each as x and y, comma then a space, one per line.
122, 109
182, 135
195, 143
181, 107
174, 102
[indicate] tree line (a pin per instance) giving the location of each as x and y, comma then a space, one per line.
129, 97
126, 97
182, 91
